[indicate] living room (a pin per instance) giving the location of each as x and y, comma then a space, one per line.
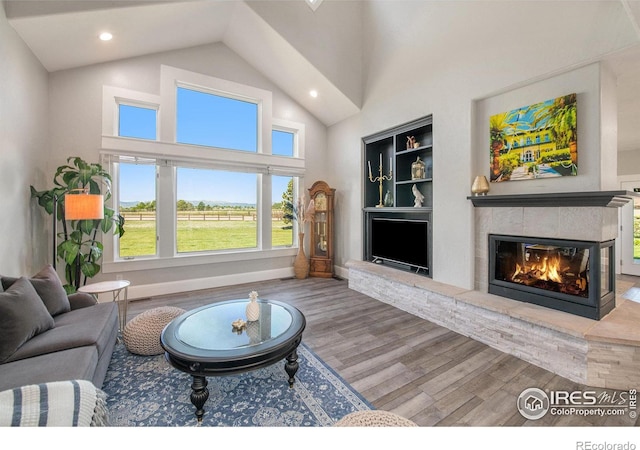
375, 65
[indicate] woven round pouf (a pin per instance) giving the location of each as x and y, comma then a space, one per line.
141, 335
374, 419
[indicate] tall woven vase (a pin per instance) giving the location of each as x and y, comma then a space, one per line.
301, 263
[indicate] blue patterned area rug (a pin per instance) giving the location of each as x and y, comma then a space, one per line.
148, 391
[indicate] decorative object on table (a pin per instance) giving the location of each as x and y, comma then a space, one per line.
388, 199
418, 170
141, 334
253, 308
237, 326
259, 398
381, 178
303, 215
79, 184
321, 249
480, 185
535, 141
419, 198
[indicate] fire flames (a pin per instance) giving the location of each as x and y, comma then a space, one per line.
547, 271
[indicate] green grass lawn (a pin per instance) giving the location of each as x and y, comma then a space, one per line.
194, 236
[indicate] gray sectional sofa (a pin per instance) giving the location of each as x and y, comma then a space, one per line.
48, 336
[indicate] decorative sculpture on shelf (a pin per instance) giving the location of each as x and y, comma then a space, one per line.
417, 170
388, 198
412, 143
418, 195
380, 178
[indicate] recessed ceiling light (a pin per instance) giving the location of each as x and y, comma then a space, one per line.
106, 36
313, 93
314, 4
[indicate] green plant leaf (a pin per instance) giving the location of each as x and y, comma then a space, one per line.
90, 269
87, 226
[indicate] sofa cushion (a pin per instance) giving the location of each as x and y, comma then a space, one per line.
22, 316
76, 363
49, 288
93, 326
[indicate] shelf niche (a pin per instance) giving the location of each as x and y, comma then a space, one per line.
393, 149
390, 148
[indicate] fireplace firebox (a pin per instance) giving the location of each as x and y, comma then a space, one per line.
577, 277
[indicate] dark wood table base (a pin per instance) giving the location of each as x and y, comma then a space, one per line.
200, 393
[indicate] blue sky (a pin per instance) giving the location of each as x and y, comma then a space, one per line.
203, 119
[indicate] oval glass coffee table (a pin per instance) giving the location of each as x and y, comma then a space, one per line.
202, 342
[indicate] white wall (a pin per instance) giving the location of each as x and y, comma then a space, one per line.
417, 68
629, 163
593, 175
23, 154
76, 108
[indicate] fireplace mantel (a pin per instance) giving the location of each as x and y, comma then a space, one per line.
612, 199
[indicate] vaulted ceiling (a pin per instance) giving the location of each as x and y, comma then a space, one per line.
297, 48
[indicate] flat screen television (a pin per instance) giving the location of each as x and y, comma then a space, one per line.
401, 241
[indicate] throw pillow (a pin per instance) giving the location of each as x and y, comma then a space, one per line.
22, 316
49, 288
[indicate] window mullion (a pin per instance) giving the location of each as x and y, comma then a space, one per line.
264, 212
166, 210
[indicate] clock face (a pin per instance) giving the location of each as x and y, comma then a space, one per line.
320, 202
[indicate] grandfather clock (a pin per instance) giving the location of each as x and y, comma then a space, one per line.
321, 252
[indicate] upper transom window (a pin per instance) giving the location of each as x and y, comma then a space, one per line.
212, 120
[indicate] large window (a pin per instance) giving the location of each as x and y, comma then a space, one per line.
216, 121
216, 210
281, 211
204, 178
137, 199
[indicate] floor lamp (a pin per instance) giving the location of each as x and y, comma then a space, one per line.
78, 205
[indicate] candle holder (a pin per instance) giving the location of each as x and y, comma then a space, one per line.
380, 178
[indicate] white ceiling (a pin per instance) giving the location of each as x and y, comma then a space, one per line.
63, 35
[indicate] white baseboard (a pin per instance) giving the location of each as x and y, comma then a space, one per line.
341, 272
174, 287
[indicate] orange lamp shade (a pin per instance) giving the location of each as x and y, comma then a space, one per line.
83, 206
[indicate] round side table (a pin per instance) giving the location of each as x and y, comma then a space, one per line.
118, 289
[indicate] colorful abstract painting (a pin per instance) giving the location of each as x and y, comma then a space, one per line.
536, 141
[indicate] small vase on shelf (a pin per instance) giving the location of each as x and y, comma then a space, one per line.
301, 263
253, 308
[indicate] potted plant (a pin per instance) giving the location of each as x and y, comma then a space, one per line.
80, 249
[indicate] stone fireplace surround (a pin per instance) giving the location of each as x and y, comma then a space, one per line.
603, 353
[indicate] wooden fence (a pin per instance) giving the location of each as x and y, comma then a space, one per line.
249, 215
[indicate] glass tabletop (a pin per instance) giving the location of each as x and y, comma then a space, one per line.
211, 328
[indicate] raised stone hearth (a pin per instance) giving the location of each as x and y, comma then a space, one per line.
603, 353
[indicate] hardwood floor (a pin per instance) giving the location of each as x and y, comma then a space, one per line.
402, 363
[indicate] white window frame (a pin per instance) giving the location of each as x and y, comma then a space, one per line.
169, 154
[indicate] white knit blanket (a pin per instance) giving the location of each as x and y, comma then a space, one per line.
73, 403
